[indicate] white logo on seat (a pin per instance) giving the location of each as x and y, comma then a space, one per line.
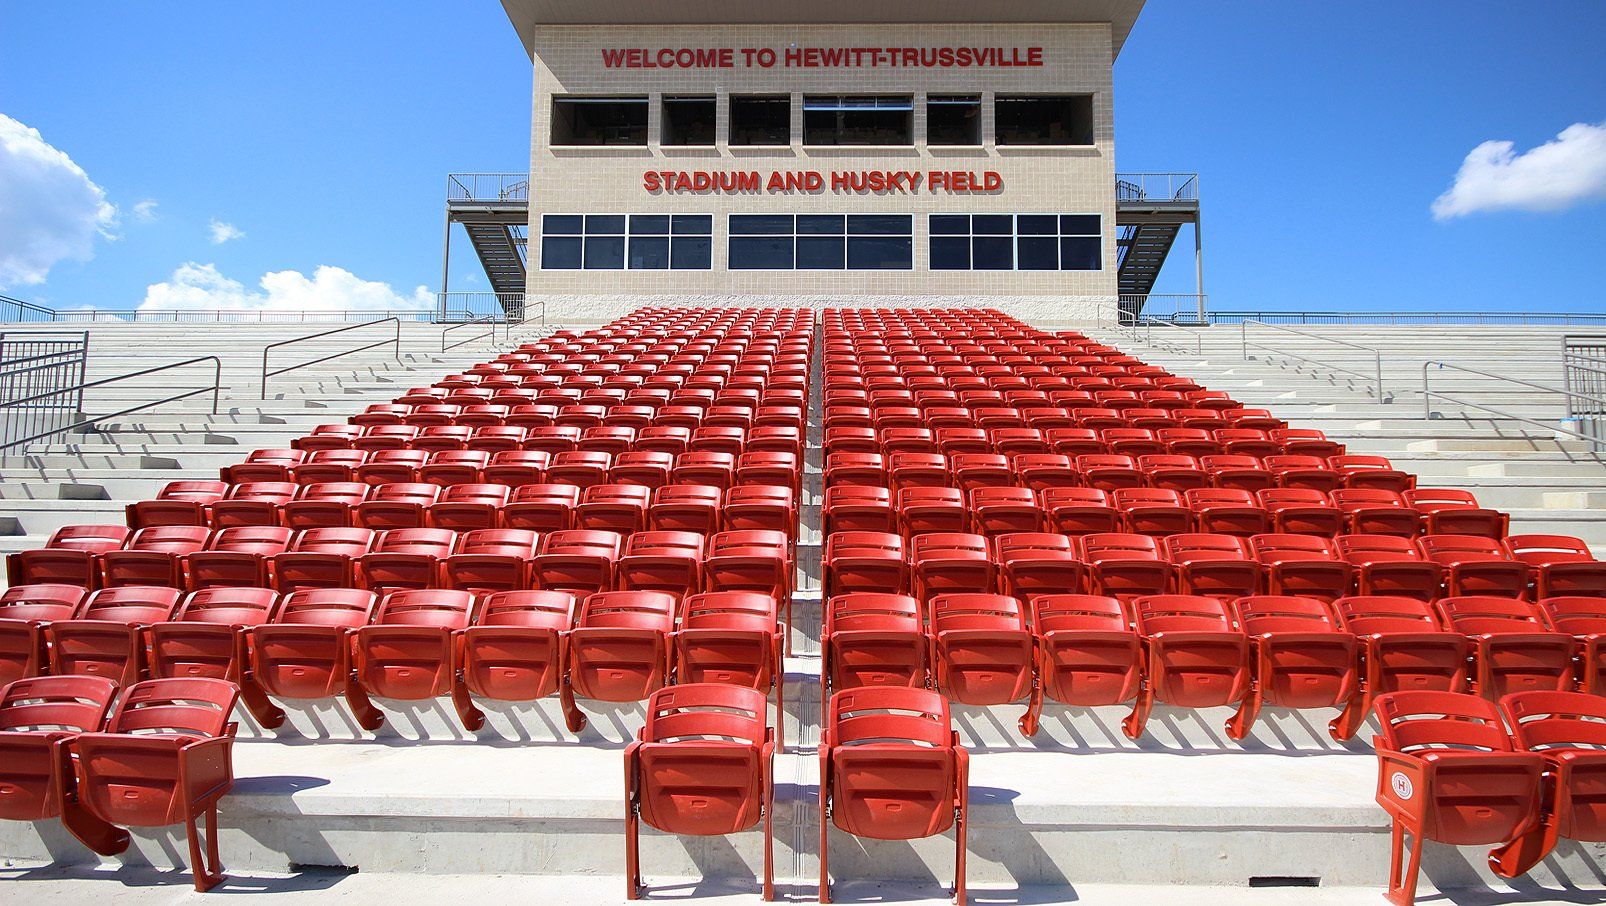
1401, 785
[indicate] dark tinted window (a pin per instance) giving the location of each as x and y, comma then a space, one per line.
953, 120
560, 253
649, 252
761, 120
689, 121
861, 120
761, 253
599, 121
605, 253
1044, 119
950, 253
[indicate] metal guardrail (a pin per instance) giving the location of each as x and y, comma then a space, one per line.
454, 307
1429, 394
492, 322
283, 343
1405, 318
1157, 187
1375, 378
1175, 307
19, 312
215, 389
496, 187
45, 368
1583, 369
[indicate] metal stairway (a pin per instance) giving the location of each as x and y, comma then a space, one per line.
501, 248
1142, 250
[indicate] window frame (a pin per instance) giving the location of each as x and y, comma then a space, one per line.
730, 127
956, 100
645, 100
1015, 236
905, 104
847, 235
627, 235
664, 103
1092, 119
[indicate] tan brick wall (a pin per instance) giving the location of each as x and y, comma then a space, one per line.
1077, 60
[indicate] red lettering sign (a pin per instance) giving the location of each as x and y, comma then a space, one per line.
843, 182
822, 57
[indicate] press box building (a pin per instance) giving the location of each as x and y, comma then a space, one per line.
835, 152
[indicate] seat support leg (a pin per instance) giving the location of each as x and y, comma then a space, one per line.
1134, 723
1243, 720
1532, 843
572, 717
207, 871
1402, 889
369, 717
470, 716
1349, 721
103, 837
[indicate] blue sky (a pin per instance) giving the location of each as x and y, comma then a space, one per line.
324, 131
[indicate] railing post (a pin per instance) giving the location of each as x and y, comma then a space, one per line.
1379, 364
217, 381
1427, 399
1243, 336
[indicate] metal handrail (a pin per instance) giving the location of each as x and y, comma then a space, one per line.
1429, 394
488, 319
1396, 318
216, 390
46, 314
272, 346
1149, 323
1377, 354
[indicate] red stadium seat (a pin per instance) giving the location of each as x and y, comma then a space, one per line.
1302, 566
25, 610
106, 635
1246, 473
1038, 563
760, 507
1514, 648
165, 758
1474, 565
541, 507
1404, 647
209, 636
1125, 565
404, 559
1044, 470
1080, 511
662, 561
950, 563
998, 511
468, 507
1585, 620
1090, 651
685, 508
1195, 656
857, 508
619, 649
1371, 511
618, 508
1306, 442
577, 561
237, 557
1561, 565
1109, 472
329, 466
514, 649
1373, 472
1153, 511
855, 468
769, 468
701, 766
330, 437
516, 468
1309, 472
263, 465
873, 639
1447, 772
1217, 566
984, 652
36, 781
1386, 565
733, 638
1301, 511
1300, 656
892, 768
453, 467
490, 560
582, 468
648, 468
1173, 472
1569, 731
397, 506
178, 503
1227, 511
1446, 511
321, 558
392, 467
153, 556
305, 652
864, 562
408, 652
323, 505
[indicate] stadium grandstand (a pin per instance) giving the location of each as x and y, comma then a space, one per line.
890, 541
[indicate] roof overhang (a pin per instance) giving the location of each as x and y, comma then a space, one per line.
529, 15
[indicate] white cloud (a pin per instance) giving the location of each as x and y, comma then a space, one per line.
50, 210
224, 232
202, 286
145, 211
1552, 177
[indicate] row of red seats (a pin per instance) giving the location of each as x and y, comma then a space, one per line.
1196, 651
916, 506
163, 756
479, 560
417, 504
410, 644
1459, 770
553, 439
1126, 565
1072, 440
